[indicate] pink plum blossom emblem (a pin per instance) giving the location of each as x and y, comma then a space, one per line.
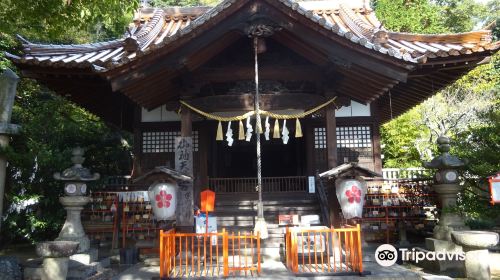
163, 199
354, 194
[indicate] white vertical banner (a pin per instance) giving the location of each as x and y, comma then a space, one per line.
312, 184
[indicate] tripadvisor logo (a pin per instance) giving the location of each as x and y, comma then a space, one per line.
387, 255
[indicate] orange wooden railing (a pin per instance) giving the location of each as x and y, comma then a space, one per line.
328, 250
201, 254
269, 184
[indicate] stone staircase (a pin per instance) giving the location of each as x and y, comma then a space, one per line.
237, 213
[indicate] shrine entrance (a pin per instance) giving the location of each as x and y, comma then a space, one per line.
240, 160
234, 168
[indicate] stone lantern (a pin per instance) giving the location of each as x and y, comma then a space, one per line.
75, 181
447, 188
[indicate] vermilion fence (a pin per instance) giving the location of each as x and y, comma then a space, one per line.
209, 254
328, 250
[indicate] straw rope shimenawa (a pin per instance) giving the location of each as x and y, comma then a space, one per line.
262, 112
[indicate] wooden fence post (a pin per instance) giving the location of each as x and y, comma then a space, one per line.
258, 252
294, 253
225, 254
162, 256
360, 252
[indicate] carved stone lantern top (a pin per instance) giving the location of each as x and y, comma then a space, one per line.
445, 163
444, 160
77, 172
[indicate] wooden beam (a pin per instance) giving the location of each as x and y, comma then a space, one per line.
335, 46
171, 58
195, 60
245, 102
301, 48
274, 72
354, 95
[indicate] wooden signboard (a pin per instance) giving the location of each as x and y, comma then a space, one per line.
495, 188
184, 165
288, 219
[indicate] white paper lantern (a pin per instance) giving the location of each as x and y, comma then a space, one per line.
163, 197
351, 195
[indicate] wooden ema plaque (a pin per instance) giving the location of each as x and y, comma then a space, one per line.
288, 219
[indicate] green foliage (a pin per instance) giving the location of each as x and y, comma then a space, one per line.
461, 15
467, 110
65, 21
441, 16
52, 126
480, 145
398, 141
419, 16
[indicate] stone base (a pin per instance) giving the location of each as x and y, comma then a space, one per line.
403, 244
85, 271
452, 268
34, 270
84, 258
443, 232
55, 268
33, 273
438, 245
477, 265
84, 242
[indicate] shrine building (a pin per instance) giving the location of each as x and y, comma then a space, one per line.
309, 53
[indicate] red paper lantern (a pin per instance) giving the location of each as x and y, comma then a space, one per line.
207, 201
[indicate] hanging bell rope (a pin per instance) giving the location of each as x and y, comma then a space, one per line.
259, 127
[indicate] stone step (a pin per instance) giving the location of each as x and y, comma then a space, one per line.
270, 217
244, 202
284, 209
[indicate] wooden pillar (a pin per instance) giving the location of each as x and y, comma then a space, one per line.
186, 123
184, 164
377, 150
309, 135
137, 150
201, 182
331, 148
331, 136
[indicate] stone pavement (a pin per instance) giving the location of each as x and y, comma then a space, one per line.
276, 270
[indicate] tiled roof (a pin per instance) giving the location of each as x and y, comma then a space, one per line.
354, 20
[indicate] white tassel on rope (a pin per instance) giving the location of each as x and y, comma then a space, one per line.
268, 129
229, 135
285, 133
249, 130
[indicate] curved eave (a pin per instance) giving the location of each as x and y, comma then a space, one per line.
161, 28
